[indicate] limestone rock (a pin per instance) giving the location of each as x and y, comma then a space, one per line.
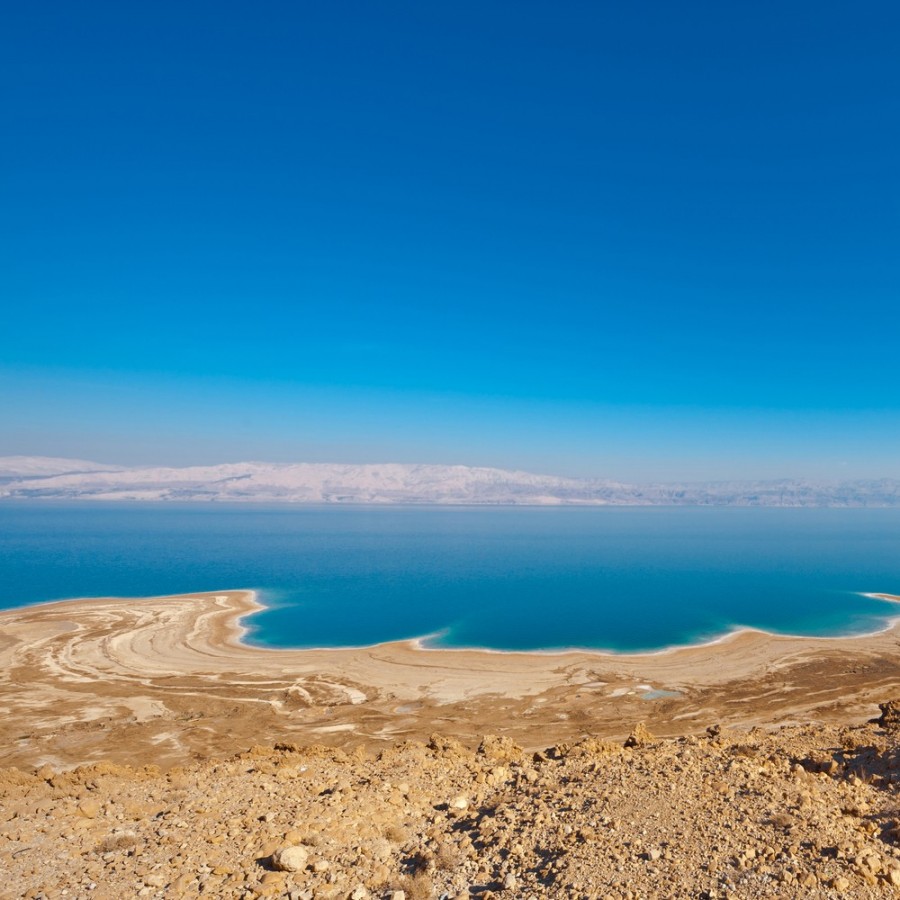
501, 749
290, 859
890, 715
89, 808
639, 737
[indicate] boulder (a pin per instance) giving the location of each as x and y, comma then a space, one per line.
290, 859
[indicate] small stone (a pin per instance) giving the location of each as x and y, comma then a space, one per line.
290, 859
840, 883
181, 883
509, 883
320, 865
459, 802
654, 855
397, 895
359, 893
155, 879
89, 808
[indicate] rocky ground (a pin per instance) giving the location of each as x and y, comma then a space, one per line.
796, 812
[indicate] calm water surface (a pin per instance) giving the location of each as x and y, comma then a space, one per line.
618, 579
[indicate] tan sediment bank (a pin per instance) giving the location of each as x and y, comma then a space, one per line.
167, 679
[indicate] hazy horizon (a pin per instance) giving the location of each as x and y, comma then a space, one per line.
619, 444
114, 465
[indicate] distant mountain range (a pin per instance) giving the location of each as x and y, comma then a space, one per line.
28, 477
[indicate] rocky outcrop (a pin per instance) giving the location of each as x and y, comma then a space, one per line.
798, 812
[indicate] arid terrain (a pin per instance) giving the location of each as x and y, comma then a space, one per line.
800, 812
151, 754
168, 680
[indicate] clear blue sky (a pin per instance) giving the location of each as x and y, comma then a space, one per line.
636, 240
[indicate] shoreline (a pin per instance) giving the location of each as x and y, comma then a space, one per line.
256, 605
170, 678
890, 624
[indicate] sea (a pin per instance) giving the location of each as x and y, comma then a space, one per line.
619, 579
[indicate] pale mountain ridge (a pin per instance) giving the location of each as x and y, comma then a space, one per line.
298, 482
37, 466
385, 483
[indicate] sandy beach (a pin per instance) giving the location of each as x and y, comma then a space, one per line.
167, 679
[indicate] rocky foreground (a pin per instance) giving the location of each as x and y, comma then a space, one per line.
798, 812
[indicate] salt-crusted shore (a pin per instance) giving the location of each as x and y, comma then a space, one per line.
167, 679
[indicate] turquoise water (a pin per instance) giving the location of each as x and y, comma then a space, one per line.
617, 579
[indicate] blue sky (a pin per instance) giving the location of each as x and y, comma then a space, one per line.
644, 240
